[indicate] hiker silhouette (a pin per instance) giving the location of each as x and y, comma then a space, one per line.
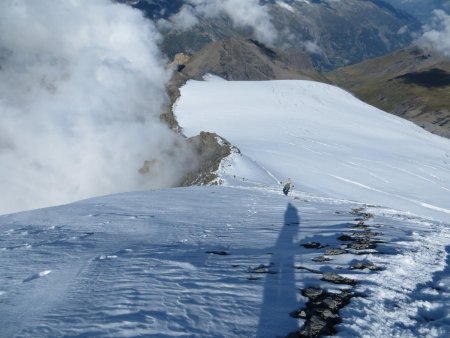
287, 187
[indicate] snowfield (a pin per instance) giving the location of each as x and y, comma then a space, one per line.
326, 140
369, 214
213, 262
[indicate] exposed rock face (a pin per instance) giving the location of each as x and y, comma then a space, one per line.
411, 83
240, 60
210, 149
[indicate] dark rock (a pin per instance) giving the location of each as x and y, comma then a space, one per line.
313, 245
322, 312
356, 211
366, 233
321, 259
299, 314
362, 246
210, 150
360, 225
260, 269
253, 278
337, 279
346, 238
335, 252
328, 315
312, 293
316, 326
364, 216
332, 303
362, 266
220, 253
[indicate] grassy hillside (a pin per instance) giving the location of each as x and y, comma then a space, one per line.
409, 83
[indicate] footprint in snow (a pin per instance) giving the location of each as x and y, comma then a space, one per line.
37, 275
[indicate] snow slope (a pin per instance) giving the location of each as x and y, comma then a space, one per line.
228, 261
181, 262
325, 139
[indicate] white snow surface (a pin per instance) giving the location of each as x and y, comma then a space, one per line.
227, 261
142, 265
324, 139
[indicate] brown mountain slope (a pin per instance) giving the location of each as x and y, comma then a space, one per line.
410, 83
240, 60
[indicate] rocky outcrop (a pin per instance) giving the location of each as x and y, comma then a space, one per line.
322, 312
248, 60
210, 149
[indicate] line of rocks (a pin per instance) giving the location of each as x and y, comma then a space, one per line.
321, 313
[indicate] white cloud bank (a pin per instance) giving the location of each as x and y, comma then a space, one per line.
437, 34
82, 84
243, 13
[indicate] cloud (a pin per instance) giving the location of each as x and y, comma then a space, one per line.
185, 18
436, 35
243, 13
313, 47
82, 85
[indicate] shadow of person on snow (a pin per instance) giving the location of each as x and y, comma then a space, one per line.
280, 292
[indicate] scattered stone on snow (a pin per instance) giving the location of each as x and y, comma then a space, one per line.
218, 252
321, 313
260, 269
322, 310
360, 225
356, 211
364, 234
363, 245
321, 259
313, 245
337, 279
345, 238
363, 265
335, 252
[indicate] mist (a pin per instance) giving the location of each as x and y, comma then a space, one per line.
436, 35
82, 85
243, 13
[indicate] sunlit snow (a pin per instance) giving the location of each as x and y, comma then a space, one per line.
228, 261
325, 139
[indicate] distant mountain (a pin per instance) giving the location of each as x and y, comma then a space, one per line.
239, 59
410, 83
334, 33
421, 9
345, 32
